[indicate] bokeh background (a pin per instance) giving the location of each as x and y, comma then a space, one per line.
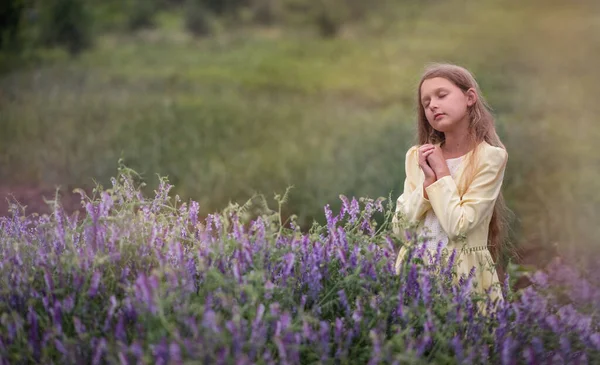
229, 98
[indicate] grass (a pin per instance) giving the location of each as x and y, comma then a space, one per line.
257, 110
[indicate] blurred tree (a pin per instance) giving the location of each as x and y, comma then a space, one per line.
141, 13
66, 23
224, 7
11, 12
329, 16
326, 15
265, 12
198, 18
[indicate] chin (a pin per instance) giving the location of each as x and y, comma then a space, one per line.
441, 128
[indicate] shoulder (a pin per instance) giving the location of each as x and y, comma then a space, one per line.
412, 153
412, 150
411, 162
492, 156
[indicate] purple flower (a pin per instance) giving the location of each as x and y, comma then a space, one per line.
412, 284
344, 300
339, 327
342, 256
331, 220
529, 355
60, 347
458, 349
379, 204
324, 340
565, 345
352, 209
448, 270
57, 317
540, 278
175, 353
79, 327
59, 229
49, 281
425, 284
34, 332
161, 352
99, 349
209, 320
122, 358
508, 348
552, 322
357, 316
144, 291
137, 350
376, 352
113, 306
120, 332
400, 307
94, 283
289, 263
595, 340
193, 212
68, 303
282, 324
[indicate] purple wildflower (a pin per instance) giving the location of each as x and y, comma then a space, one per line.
344, 300
94, 283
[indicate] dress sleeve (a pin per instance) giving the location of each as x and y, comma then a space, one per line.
459, 215
411, 204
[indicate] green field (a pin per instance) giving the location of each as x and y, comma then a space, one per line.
259, 109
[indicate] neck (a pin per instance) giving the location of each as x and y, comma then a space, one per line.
457, 142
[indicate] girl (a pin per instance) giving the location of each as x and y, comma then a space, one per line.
454, 176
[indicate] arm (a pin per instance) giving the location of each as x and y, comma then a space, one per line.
412, 204
458, 216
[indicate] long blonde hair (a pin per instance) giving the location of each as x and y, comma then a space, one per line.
481, 128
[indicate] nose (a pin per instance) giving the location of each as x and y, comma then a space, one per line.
433, 105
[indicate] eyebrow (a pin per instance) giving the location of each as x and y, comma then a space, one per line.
441, 88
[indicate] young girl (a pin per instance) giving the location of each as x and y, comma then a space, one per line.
454, 176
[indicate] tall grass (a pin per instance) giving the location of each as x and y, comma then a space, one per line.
262, 109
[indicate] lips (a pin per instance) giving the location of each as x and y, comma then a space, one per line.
438, 115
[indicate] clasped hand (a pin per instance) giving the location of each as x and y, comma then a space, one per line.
432, 162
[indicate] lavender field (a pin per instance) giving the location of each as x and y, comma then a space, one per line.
138, 280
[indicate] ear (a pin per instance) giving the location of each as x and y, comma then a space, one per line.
471, 95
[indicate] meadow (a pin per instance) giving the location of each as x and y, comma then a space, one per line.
183, 149
145, 280
255, 109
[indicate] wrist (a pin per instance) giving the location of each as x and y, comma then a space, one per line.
426, 183
443, 173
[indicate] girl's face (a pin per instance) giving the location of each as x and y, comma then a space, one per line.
445, 104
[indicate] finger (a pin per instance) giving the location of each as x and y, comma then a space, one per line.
428, 171
426, 147
427, 153
429, 150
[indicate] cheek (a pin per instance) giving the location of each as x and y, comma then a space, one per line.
429, 115
458, 106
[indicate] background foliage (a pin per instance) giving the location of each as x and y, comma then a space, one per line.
229, 98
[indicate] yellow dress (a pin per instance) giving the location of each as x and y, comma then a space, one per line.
464, 216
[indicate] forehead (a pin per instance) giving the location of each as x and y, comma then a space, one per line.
432, 85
